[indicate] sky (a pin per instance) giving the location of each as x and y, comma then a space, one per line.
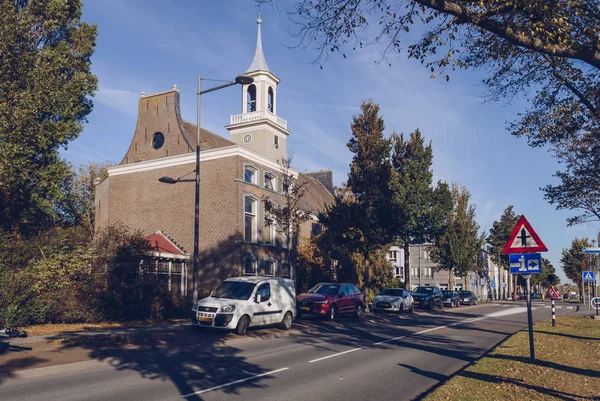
149, 45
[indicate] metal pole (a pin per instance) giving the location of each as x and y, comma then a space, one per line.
196, 267
553, 314
419, 264
529, 317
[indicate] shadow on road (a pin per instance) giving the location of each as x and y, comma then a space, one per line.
8, 368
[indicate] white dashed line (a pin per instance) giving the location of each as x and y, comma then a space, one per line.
234, 382
333, 355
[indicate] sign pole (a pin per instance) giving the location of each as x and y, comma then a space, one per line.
553, 314
529, 317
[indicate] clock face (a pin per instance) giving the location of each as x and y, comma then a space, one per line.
247, 138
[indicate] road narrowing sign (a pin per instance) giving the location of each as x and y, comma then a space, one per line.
588, 276
524, 239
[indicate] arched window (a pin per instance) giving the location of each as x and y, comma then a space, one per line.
251, 98
271, 100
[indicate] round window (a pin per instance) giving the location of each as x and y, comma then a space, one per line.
158, 140
247, 138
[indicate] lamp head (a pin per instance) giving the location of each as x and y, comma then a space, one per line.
167, 180
244, 79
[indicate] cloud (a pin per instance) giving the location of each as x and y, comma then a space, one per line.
121, 100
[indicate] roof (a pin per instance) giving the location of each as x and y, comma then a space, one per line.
159, 242
316, 196
258, 62
208, 140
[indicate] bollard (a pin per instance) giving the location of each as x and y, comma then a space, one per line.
553, 314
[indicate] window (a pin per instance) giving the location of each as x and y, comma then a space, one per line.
158, 139
316, 230
393, 256
285, 269
285, 185
264, 291
270, 181
269, 268
426, 255
250, 219
276, 141
250, 174
269, 232
251, 98
397, 270
250, 266
270, 100
414, 272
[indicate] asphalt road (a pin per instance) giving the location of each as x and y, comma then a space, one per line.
378, 357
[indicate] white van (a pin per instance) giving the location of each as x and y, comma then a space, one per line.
242, 302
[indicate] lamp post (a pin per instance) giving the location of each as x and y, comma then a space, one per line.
242, 79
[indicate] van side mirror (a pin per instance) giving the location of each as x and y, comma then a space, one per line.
258, 299
341, 294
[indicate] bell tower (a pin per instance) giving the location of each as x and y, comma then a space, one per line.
258, 127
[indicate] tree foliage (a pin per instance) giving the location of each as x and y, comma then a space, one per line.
499, 234
45, 96
543, 278
573, 261
547, 51
458, 248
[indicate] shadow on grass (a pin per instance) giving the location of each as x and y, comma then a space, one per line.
568, 335
551, 365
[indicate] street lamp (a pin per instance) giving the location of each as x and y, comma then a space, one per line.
242, 79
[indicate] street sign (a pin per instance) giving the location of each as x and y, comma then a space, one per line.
504, 285
588, 276
493, 284
524, 239
591, 250
474, 284
552, 294
595, 302
528, 263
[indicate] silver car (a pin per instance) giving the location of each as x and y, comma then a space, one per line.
393, 300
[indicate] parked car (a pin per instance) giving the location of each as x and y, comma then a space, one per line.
427, 297
467, 298
330, 299
393, 300
451, 298
242, 302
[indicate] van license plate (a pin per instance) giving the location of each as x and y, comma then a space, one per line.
205, 319
304, 308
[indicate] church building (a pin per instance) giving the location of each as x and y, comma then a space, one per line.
236, 174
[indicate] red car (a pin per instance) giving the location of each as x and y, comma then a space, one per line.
330, 299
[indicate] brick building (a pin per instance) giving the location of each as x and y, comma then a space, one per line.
235, 175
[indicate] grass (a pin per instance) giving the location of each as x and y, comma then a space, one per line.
567, 366
47, 329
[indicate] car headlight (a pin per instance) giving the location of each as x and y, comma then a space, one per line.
227, 308
396, 300
321, 302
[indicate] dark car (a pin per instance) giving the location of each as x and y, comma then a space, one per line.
451, 298
330, 299
427, 297
467, 298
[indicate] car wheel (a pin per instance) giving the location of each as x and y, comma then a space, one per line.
412, 308
359, 311
475, 303
242, 325
401, 310
286, 322
452, 304
430, 305
441, 306
332, 312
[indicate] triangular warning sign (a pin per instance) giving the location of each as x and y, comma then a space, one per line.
524, 239
552, 294
588, 276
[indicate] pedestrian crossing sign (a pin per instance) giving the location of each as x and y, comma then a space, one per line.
588, 277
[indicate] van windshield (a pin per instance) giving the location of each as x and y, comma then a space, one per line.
234, 290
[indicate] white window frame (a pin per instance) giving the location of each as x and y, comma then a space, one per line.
255, 176
253, 259
285, 262
272, 263
271, 230
255, 220
273, 178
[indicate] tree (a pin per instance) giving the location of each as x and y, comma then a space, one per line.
543, 278
287, 218
499, 234
419, 210
546, 48
574, 261
360, 217
45, 96
459, 247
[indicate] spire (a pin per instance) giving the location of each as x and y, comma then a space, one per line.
258, 62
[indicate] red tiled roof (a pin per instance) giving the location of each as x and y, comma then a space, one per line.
160, 243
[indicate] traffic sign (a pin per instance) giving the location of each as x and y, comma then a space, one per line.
524, 239
493, 284
595, 302
504, 285
552, 294
588, 276
527, 263
591, 250
474, 284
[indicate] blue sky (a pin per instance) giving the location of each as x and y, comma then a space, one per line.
149, 45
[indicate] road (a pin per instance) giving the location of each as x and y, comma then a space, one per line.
379, 357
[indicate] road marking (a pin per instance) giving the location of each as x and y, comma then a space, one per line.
331, 356
512, 311
234, 382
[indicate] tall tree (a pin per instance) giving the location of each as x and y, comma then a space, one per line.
458, 249
498, 237
419, 211
361, 217
545, 50
543, 278
45, 96
574, 261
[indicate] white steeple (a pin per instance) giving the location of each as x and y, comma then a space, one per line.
258, 63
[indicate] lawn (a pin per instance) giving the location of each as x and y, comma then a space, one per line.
46, 329
567, 366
